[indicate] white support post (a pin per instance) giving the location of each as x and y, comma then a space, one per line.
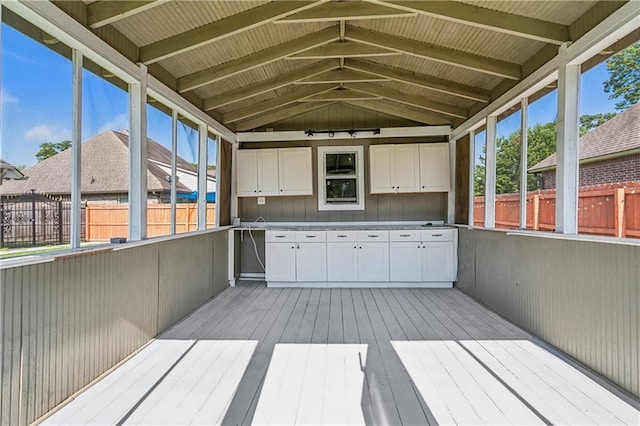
234, 181
202, 176
451, 196
490, 174
567, 147
138, 157
174, 163
76, 151
472, 171
218, 154
524, 142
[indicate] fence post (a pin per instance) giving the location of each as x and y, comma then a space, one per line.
1, 221
536, 212
60, 221
618, 212
87, 219
33, 217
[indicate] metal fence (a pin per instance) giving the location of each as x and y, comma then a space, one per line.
34, 219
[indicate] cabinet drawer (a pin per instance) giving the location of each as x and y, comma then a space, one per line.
342, 236
311, 236
404, 236
373, 236
280, 236
438, 235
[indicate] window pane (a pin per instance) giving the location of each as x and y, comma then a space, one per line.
342, 191
341, 164
508, 172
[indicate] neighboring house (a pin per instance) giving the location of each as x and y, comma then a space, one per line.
105, 173
9, 172
608, 154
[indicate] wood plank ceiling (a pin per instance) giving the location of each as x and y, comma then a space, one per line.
249, 63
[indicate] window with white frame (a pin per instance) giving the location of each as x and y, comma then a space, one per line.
340, 178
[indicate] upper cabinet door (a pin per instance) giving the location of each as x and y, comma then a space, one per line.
295, 171
247, 173
434, 167
268, 172
406, 168
381, 169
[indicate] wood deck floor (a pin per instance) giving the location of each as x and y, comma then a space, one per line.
346, 356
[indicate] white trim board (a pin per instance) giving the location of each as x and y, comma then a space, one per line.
388, 132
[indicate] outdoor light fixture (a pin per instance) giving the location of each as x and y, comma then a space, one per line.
331, 133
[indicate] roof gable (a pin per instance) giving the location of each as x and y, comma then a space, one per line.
105, 168
618, 135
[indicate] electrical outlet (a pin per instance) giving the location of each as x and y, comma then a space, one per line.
261, 201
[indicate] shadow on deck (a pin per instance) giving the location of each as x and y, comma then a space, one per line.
347, 356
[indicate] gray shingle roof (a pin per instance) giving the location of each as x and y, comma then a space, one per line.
618, 135
105, 169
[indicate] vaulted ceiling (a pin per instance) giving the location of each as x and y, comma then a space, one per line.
249, 63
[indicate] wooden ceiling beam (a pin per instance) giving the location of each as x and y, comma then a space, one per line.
257, 59
106, 12
218, 30
278, 102
280, 114
416, 101
261, 87
344, 49
344, 75
340, 95
421, 80
436, 53
507, 23
402, 111
345, 10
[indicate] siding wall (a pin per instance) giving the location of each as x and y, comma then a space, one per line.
581, 297
384, 207
67, 321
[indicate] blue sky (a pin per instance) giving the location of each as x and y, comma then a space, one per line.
37, 106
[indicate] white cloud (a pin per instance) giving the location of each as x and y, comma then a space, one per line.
118, 123
7, 98
47, 133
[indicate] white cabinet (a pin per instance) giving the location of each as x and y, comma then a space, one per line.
434, 167
394, 168
373, 262
295, 171
405, 261
438, 263
268, 172
281, 262
257, 172
342, 261
407, 258
311, 262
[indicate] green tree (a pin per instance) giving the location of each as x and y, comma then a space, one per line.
588, 122
624, 77
49, 149
542, 143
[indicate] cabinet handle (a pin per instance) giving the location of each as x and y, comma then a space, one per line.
360, 246
436, 235
423, 186
405, 235
373, 236
280, 236
292, 247
355, 247
309, 236
297, 245
281, 190
342, 236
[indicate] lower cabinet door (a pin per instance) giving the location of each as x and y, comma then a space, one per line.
281, 261
373, 262
311, 261
405, 261
342, 261
438, 263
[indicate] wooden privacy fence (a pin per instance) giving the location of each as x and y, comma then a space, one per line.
105, 221
612, 210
